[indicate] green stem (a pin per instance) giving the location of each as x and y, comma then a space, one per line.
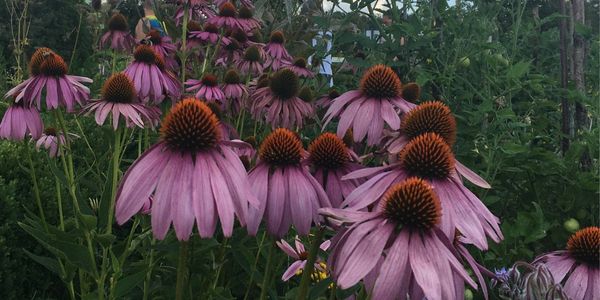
184, 42
260, 246
36, 189
149, 273
268, 270
221, 261
61, 217
310, 265
114, 62
182, 270
115, 179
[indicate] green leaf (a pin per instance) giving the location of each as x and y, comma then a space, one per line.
89, 221
50, 263
105, 239
517, 70
127, 283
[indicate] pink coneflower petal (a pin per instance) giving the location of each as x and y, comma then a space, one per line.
293, 269
19, 121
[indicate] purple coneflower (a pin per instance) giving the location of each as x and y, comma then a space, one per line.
226, 17
300, 255
192, 175
286, 191
279, 102
207, 88
152, 82
367, 110
324, 101
578, 267
278, 56
50, 140
119, 99
299, 67
48, 75
428, 156
246, 19
251, 63
398, 244
197, 10
209, 35
118, 36
230, 53
331, 160
163, 47
19, 121
435, 117
235, 91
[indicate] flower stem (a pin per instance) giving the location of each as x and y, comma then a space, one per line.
182, 270
115, 179
255, 264
61, 217
268, 271
184, 43
36, 189
310, 265
221, 261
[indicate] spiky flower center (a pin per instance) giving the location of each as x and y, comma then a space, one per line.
333, 94
380, 82
245, 13
190, 127
193, 26
211, 28
145, 54
232, 77
303, 255
255, 36
300, 62
328, 151
118, 22
118, 88
252, 54
284, 84
411, 92
50, 131
277, 37
154, 37
412, 203
240, 36
281, 148
306, 94
36, 60
428, 156
232, 46
227, 10
431, 116
584, 246
53, 65
209, 80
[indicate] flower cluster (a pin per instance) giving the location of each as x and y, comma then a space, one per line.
242, 144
